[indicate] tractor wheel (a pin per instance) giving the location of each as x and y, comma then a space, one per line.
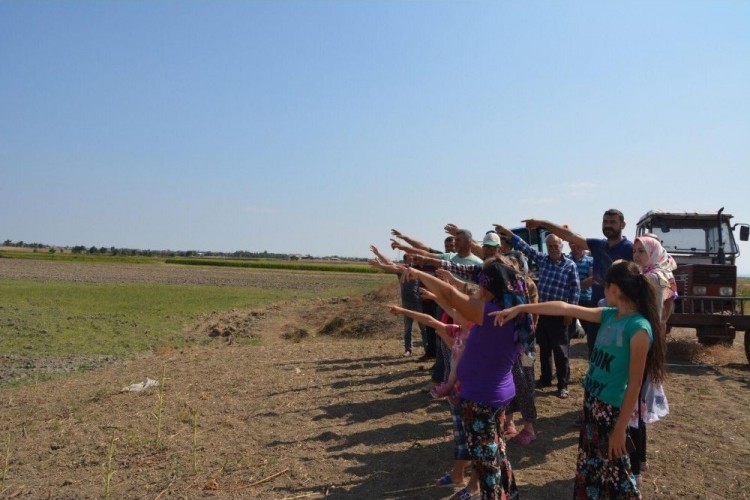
709, 336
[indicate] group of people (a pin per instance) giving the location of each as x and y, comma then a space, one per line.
488, 316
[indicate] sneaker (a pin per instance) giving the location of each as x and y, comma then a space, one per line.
407, 353
563, 394
525, 437
644, 466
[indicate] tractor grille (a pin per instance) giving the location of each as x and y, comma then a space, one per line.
714, 275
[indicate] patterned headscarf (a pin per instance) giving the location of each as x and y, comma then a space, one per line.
660, 264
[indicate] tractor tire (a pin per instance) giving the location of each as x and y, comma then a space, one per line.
710, 336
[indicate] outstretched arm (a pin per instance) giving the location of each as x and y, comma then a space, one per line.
389, 268
382, 258
471, 309
411, 241
559, 231
406, 248
423, 318
554, 308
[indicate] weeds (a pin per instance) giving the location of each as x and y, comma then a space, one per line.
109, 470
160, 405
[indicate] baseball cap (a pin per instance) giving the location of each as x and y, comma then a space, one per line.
491, 239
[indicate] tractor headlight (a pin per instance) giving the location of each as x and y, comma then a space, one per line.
699, 290
726, 291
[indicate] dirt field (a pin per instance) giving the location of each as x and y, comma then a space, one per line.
326, 407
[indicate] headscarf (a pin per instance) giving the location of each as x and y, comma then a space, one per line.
660, 265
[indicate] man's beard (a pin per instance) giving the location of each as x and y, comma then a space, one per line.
611, 233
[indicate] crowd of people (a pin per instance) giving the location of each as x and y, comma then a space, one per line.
485, 322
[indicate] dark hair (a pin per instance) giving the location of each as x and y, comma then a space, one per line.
614, 212
637, 288
449, 238
465, 233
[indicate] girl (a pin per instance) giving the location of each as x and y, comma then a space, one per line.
629, 340
657, 265
485, 375
454, 335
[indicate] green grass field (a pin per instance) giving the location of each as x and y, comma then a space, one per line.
66, 318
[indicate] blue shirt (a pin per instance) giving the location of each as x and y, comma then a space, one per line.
557, 280
584, 269
604, 255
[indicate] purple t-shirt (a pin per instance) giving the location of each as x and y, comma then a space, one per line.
485, 366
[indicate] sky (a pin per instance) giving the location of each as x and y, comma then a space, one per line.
315, 127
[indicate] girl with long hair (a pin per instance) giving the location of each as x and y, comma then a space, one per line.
628, 343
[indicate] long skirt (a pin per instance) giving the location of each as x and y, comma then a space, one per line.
483, 426
598, 477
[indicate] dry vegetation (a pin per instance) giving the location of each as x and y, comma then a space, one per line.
325, 407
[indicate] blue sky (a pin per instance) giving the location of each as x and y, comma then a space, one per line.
316, 126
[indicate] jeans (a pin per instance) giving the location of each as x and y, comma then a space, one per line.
409, 323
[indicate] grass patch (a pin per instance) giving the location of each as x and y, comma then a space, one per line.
277, 264
65, 318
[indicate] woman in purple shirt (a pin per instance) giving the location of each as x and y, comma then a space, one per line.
485, 372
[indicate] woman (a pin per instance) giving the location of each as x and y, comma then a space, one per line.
629, 340
485, 376
657, 265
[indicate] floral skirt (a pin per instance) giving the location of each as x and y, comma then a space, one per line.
483, 425
597, 477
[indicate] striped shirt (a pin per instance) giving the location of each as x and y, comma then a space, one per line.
557, 280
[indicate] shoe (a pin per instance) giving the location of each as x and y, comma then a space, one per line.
541, 384
446, 481
407, 353
464, 494
525, 437
639, 481
440, 391
428, 387
578, 421
563, 394
509, 430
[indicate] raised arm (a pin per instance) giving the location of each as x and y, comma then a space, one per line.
380, 256
471, 308
411, 241
406, 248
518, 243
559, 231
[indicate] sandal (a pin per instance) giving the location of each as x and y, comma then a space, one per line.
524, 438
509, 430
445, 481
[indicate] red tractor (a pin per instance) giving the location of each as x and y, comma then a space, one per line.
704, 247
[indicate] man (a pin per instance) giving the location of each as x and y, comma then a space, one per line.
558, 280
584, 264
604, 251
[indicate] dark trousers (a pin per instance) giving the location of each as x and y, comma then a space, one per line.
552, 338
429, 335
590, 328
639, 439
